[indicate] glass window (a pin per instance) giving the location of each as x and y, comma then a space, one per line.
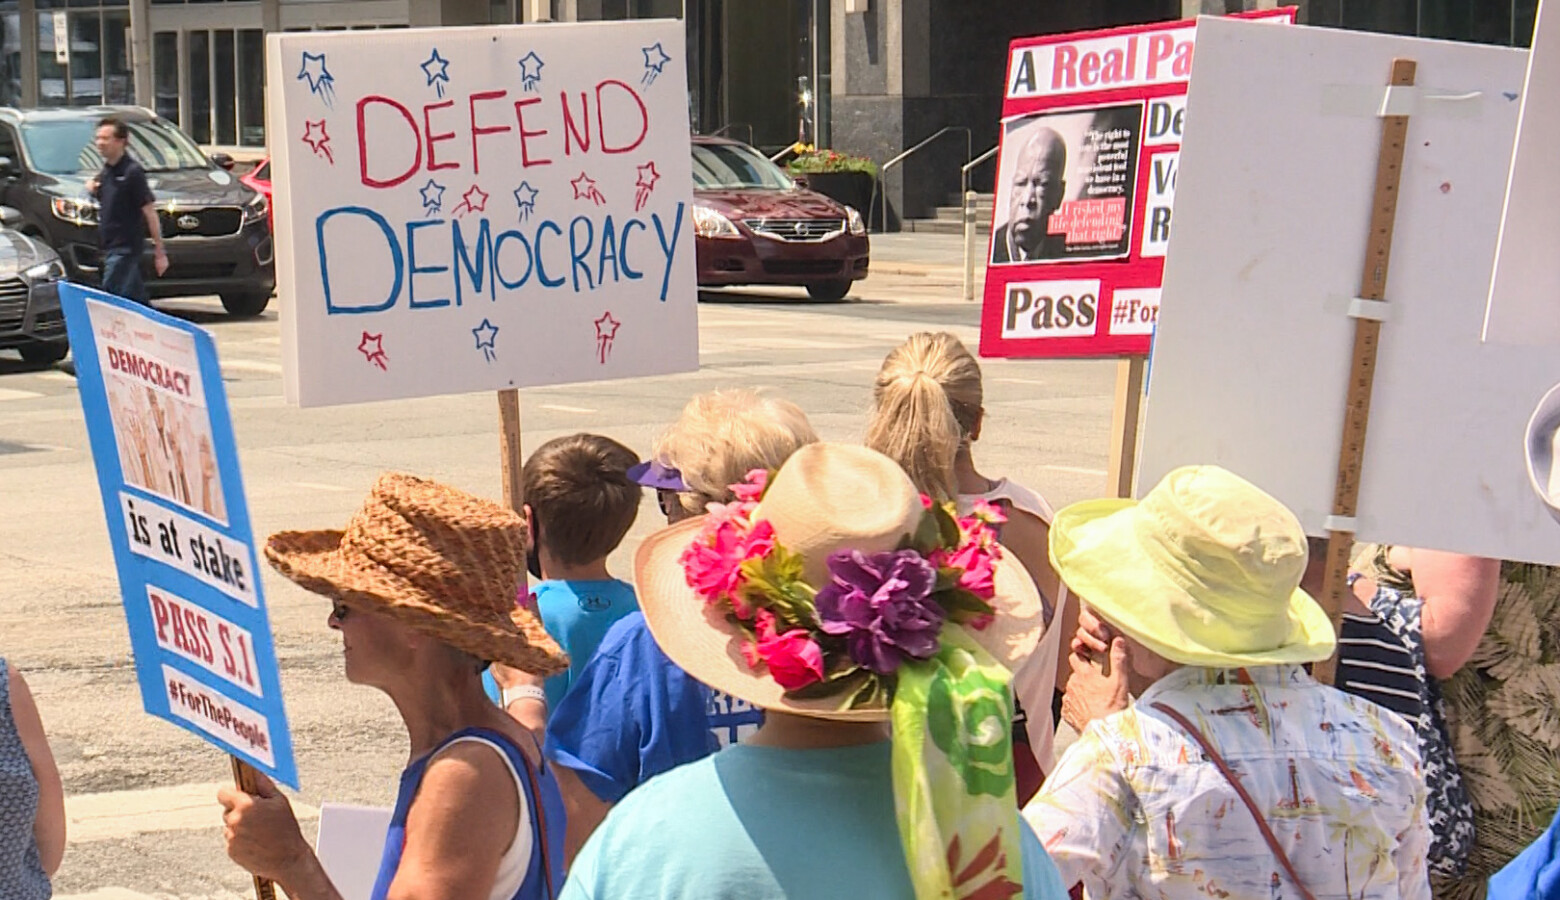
718, 166
86, 59
8, 144
198, 83
51, 68
64, 146
165, 68
251, 87
118, 86
10, 54
224, 89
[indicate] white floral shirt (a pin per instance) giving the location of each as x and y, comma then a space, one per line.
1135, 809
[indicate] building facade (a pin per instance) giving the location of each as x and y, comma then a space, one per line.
870, 77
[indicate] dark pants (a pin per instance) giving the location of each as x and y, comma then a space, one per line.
122, 274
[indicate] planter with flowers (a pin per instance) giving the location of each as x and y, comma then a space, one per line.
841, 176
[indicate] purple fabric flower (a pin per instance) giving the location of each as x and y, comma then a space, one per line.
881, 604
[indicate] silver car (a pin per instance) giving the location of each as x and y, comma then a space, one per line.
30, 318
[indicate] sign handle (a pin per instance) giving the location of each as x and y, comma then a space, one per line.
1362, 366
510, 460
1124, 418
244, 778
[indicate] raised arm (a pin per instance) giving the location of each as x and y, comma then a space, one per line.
1459, 596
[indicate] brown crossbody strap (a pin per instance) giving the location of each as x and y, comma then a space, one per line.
1229, 776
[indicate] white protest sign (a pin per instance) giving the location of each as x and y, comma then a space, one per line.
464, 209
1524, 306
1253, 348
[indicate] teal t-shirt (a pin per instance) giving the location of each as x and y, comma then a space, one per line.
577, 614
766, 823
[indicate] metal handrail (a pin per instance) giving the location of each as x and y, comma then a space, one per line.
967, 202
964, 173
969, 144
730, 125
790, 150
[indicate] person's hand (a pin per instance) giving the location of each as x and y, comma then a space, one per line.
208, 462
160, 261
1094, 692
92, 185
262, 832
1092, 640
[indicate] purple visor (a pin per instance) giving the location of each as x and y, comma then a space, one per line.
652, 474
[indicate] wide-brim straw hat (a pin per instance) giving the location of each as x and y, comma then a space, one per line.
1205, 571
449, 564
825, 498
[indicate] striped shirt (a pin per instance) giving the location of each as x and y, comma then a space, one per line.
1376, 665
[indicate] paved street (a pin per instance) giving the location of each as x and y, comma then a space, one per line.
144, 821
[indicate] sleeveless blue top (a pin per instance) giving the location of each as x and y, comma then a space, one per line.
21, 870
543, 874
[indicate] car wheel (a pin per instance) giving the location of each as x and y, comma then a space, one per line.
245, 305
44, 353
829, 290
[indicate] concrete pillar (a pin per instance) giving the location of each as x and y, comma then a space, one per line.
27, 19
141, 53
271, 15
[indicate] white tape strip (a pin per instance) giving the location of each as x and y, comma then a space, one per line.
1399, 100
1377, 310
1344, 524
1374, 100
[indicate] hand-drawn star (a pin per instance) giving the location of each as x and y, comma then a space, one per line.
315, 136
485, 334
474, 200
648, 176
655, 60
372, 348
438, 78
432, 196
531, 70
321, 83
606, 331
585, 189
525, 199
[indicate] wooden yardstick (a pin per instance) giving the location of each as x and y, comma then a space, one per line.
1362, 368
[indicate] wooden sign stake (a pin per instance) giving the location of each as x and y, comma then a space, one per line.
244, 779
1362, 368
1124, 417
510, 460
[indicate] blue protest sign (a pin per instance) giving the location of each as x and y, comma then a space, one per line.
167, 464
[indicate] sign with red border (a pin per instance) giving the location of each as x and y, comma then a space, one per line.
1091, 135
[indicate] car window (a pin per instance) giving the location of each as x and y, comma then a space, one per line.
8, 145
263, 171
64, 146
729, 166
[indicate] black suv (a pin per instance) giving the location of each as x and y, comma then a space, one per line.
215, 229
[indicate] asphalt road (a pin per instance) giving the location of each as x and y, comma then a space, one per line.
144, 821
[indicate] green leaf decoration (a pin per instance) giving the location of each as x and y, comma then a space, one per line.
774, 582
962, 605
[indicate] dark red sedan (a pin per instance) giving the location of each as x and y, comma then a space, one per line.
757, 226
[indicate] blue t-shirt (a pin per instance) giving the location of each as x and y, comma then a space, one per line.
767, 823
632, 713
577, 614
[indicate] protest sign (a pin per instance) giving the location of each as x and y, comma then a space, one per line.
1254, 347
1086, 177
463, 209
1524, 306
157, 421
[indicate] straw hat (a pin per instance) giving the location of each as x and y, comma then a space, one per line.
826, 498
1204, 571
440, 560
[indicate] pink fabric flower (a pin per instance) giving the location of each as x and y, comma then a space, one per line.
712, 564
752, 487
980, 569
794, 658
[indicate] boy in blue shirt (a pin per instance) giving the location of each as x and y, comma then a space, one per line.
579, 503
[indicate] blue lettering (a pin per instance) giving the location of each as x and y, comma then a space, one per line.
608, 251
498, 269
628, 228
478, 270
577, 253
669, 249
331, 308
541, 270
411, 256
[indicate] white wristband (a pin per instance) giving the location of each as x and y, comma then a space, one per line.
511, 694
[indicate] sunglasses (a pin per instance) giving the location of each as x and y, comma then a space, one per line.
338, 611
667, 500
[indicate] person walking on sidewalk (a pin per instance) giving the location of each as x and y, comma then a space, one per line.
126, 214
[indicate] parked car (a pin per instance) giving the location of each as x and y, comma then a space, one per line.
755, 225
259, 180
31, 321
215, 229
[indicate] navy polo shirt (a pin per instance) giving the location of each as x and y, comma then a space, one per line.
122, 194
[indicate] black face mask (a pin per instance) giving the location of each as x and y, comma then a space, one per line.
533, 561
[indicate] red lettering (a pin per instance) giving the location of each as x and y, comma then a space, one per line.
1063, 73
249, 672
1089, 71
569, 128
1159, 48
159, 612
204, 625
433, 163
223, 637
479, 130
601, 123
525, 151
180, 639
362, 131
